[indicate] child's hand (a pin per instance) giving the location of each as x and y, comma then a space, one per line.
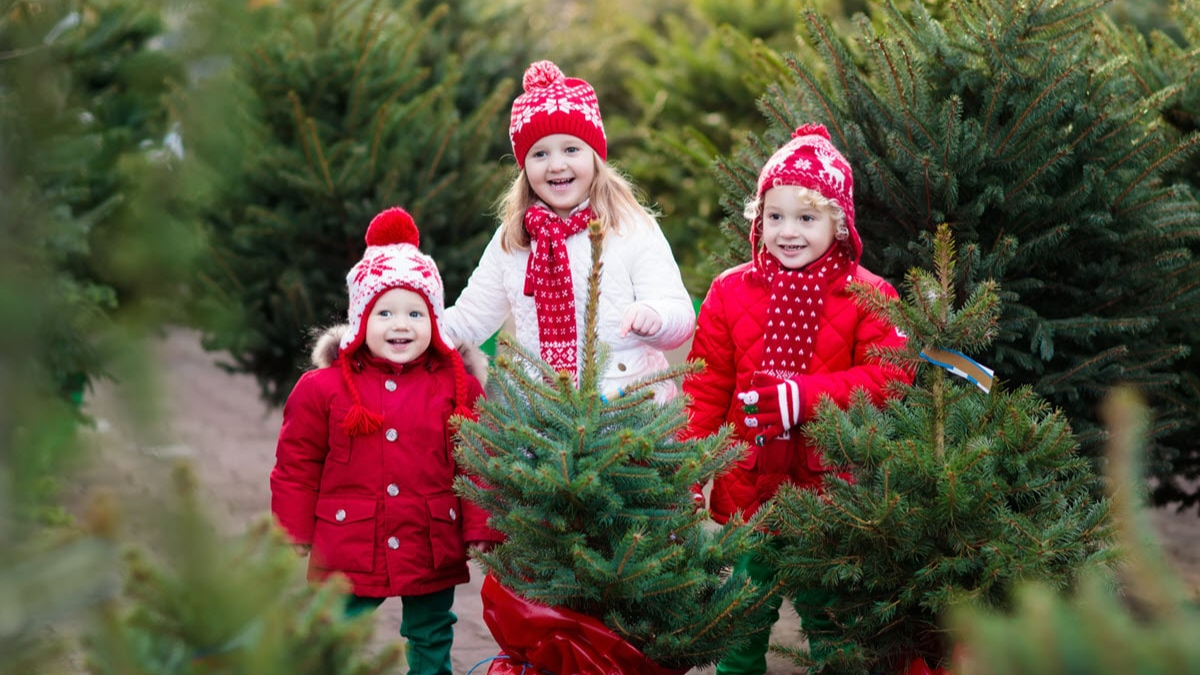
482, 546
640, 320
302, 550
698, 501
773, 406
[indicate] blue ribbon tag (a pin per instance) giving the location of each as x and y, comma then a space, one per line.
961, 365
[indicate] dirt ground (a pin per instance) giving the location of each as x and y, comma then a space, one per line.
215, 421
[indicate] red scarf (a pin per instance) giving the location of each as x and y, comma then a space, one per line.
797, 297
548, 281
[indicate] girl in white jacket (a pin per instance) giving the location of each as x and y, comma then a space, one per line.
536, 266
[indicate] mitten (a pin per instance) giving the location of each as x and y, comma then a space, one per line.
698, 501
772, 406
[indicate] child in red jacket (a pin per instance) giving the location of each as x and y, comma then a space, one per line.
781, 332
365, 464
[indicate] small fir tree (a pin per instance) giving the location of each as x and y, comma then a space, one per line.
958, 493
201, 603
593, 494
46, 579
1096, 630
1010, 122
350, 122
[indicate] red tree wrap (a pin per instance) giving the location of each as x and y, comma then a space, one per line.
538, 639
958, 663
919, 667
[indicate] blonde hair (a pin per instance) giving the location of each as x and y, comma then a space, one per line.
754, 207
612, 197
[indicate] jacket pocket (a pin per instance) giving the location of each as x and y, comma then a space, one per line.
344, 537
445, 531
339, 441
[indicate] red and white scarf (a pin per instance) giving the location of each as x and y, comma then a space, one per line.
548, 281
797, 297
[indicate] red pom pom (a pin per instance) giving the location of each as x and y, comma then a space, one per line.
540, 75
393, 226
811, 130
359, 421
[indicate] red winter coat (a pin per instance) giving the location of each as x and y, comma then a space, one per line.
377, 508
729, 338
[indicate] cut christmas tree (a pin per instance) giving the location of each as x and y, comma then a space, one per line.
607, 567
962, 488
1093, 629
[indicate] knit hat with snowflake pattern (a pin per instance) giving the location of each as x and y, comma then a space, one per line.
392, 260
809, 160
555, 104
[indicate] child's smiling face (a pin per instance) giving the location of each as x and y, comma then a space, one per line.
399, 328
796, 230
560, 169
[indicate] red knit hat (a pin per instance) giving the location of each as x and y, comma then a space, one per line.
809, 160
392, 260
555, 104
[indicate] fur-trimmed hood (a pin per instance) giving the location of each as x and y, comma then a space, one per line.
325, 350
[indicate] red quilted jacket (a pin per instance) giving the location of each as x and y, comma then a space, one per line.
729, 339
377, 508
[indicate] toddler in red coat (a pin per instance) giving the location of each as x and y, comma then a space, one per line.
778, 334
365, 464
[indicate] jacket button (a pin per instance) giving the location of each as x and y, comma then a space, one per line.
453, 515
393, 489
390, 434
390, 385
393, 543
340, 515
621, 367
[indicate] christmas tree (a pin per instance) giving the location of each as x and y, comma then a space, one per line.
85, 126
593, 492
1012, 123
1160, 50
962, 488
1149, 627
100, 193
200, 603
349, 121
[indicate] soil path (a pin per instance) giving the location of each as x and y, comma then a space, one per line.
216, 421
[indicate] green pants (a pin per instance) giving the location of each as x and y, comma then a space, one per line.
751, 657
426, 624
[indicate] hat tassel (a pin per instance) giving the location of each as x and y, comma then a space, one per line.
359, 421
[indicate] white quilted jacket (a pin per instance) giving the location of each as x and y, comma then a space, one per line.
638, 267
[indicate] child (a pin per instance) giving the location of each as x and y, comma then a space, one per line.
364, 463
781, 332
536, 266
